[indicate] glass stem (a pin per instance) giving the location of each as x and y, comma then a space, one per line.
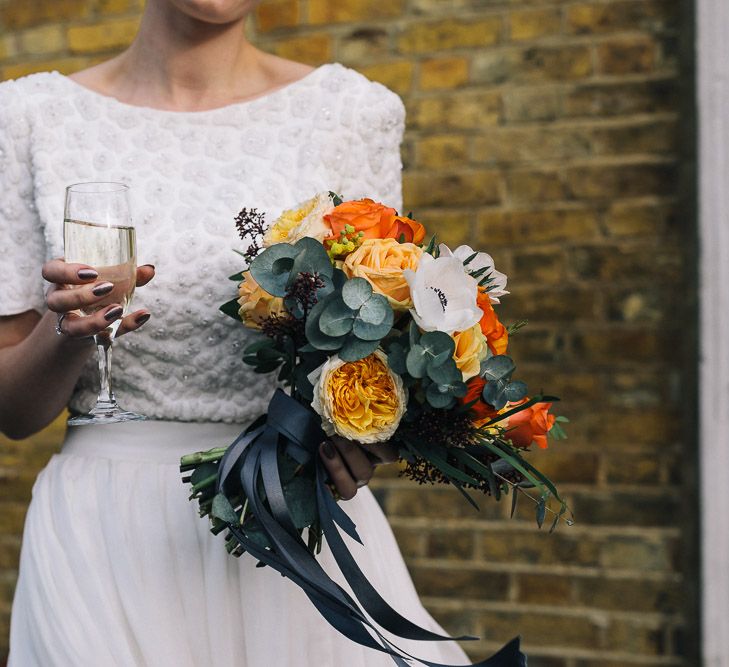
106, 394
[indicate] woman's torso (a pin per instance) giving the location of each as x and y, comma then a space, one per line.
190, 174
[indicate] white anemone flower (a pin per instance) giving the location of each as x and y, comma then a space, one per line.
497, 287
444, 295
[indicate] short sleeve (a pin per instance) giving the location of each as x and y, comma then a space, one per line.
374, 167
23, 245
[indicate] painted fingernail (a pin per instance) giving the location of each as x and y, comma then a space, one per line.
102, 288
328, 449
87, 274
151, 266
113, 313
142, 319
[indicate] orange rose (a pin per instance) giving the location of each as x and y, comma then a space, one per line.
381, 263
255, 303
365, 215
481, 409
530, 425
495, 332
410, 230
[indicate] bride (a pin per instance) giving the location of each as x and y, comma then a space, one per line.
116, 566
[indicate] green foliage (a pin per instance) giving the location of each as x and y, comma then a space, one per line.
500, 389
231, 308
276, 268
350, 320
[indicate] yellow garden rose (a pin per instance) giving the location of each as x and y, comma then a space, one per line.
306, 219
381, 263
360, 400
255, 303
471, 350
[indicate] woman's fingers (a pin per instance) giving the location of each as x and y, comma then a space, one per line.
77, 326
145, 273
356, 460
339, 474
62, 300
132, 322
383, 452
62, 273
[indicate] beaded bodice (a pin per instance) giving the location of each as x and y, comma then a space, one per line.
189, 174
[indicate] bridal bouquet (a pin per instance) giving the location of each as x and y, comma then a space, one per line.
376, 337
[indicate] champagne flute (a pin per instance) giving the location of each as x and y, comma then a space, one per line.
97, 231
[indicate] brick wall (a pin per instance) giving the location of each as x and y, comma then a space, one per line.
554, 134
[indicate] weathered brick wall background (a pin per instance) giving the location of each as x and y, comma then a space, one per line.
550, 133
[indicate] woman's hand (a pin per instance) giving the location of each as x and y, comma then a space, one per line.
88, 291
351, 465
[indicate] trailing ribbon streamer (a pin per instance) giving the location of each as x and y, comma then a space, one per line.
250, 468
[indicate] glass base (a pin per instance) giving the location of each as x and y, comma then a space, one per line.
105, 415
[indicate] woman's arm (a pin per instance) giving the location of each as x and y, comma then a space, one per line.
38, 368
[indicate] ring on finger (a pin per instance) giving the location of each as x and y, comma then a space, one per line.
59, 325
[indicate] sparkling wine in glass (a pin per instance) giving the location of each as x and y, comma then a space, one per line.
97, 231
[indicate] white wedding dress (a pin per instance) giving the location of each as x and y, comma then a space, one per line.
117, 569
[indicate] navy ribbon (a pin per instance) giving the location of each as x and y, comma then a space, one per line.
251, 463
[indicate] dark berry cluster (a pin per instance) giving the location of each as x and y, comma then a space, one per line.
304, 292
251, 226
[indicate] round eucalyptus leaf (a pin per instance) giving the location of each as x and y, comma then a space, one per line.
356, 292
438, 398
336, 319
498, 367
367, 331
311, 257
396, 359
262, 268
444, 373
355, 349
494, 394
417, 361
375, 309
459, 389
515, 391
437, 342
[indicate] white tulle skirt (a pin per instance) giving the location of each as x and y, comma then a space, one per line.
117, 568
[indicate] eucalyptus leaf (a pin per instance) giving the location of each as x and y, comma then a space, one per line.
498, 367
413, 333
336, 319
439, 399
366, 331
515, 391
444, 373
262, 268
301, 501
416, 361
437, 342
355, 349
356, 292
396, 359
311, 257
375, 310
223, 510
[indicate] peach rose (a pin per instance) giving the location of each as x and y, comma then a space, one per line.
471, 349
495, 332
255, 303
530, 425
381, 263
